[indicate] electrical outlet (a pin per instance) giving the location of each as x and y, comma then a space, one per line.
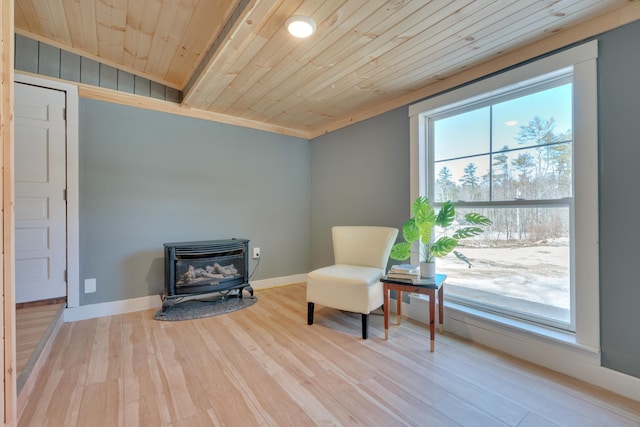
256, 253
89, 286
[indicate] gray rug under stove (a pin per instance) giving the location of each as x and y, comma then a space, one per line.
198, 309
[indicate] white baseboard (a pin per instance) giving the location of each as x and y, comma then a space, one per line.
278, 281
112, 308
552, 352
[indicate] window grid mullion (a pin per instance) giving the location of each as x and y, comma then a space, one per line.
491, 152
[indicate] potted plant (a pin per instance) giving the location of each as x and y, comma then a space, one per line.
421, 226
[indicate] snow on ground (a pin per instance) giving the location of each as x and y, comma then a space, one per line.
538, 273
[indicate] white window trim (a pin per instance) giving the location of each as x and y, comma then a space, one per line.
585, 244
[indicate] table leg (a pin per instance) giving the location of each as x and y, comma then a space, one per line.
432, 315
398, 306
441, 306
385, 291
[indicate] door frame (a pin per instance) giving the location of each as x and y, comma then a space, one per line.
73, 206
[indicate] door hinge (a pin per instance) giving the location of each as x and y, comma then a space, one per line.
64, 114
64, 194
65, 275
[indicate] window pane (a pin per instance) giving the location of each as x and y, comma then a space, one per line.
462, 135
463, 179
539, 118
518, 146
535, 173
520, 264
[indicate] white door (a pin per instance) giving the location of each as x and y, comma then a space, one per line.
40, 181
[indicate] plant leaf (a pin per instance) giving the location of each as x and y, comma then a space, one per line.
425, 233
446, 215
443, 246
423, 213
400, 251
462, 257
476, 218
419, 205
410, 232
465, 232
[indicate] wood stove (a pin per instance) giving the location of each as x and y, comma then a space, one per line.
205, 267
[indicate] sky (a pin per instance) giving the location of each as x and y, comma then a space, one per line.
470, 133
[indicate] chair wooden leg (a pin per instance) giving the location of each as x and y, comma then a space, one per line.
310, 306
365, 326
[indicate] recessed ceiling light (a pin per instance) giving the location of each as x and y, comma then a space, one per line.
300, 26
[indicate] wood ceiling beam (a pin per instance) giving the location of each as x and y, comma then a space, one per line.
240, 39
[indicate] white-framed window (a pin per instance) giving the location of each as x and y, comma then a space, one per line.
520, 148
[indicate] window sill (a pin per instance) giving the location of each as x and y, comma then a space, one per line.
551, 334
517, 337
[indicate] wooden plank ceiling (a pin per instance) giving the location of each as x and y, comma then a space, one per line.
234, 57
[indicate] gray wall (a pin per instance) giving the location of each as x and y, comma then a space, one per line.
619, 137
147, 178
359, 176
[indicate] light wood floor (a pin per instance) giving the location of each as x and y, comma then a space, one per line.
265, 366
32, 323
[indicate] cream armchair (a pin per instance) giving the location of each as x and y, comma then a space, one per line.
353, 282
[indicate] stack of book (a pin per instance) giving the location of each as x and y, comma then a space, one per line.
405, 272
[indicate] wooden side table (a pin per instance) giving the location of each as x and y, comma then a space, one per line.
425, 287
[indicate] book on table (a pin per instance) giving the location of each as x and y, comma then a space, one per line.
415, 280
408, 273
392, 275
404, 272
404, 278
409, 269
